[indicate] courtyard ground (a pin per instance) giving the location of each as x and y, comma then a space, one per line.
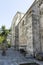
15, 57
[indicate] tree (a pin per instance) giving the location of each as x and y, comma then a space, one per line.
3, 37
4, 33
3, 28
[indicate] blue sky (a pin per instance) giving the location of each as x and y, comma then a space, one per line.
8, 9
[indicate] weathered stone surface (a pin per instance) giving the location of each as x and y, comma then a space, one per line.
29, 64
41, 23
15, 58
15, 22
29, 30
39, 56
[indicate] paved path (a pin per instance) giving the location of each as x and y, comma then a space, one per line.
14, 58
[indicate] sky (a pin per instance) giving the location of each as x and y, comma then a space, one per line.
8, 9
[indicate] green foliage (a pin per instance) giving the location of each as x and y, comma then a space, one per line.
3, 34
2, 38
4, 31
3, 28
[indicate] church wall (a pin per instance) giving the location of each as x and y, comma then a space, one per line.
22, 36
31, 30
29, 33
25, 33
36, 28
41, 30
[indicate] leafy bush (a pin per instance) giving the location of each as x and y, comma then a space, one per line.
2, 39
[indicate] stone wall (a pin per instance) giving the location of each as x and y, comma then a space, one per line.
29, 29
22, 36
16, 38
41, 24
29, 33
25, 33
36, 28
41, 30
15, 22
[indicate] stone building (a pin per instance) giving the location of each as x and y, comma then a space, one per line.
30, 29
14, 33
41, 24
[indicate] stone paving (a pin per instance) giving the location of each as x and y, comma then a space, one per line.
14, 58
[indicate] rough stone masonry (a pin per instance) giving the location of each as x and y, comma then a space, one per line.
30, 29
